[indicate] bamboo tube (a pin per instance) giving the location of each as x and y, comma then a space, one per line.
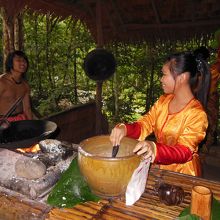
201, 202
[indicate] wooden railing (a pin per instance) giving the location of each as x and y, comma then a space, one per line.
76, 123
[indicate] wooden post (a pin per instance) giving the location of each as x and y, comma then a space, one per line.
99, 83
12, 32
201, 200
99, 107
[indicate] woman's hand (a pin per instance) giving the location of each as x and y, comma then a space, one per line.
147, 149
118, 132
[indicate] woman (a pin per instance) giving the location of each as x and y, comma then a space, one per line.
178, 118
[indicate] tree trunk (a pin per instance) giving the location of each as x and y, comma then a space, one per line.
37, 57
115, 92
149, 98
75, 78
12, 33
18, 32
8, 34
115, 88
48, 60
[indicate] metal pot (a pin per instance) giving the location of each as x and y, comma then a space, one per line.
25, 133
99, 64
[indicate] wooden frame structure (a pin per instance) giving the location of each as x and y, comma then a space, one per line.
133, 20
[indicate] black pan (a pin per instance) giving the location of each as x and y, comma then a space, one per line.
99, 64
22, 134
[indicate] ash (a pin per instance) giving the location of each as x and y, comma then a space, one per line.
39, 188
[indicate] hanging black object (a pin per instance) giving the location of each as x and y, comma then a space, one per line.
99, 64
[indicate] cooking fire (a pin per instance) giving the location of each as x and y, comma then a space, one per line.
33, 171
33, 149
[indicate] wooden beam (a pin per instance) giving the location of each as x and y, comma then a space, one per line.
99, 23
110, 18
176, 25
88, 8
172, 4
155, 12
115, 8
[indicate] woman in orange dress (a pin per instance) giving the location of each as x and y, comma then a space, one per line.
177, 119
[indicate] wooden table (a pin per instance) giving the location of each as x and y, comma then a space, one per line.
147, 207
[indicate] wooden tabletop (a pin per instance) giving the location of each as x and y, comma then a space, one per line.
147, 207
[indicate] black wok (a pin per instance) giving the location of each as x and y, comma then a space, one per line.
22, 134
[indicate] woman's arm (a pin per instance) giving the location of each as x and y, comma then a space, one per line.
187, 144
163, 154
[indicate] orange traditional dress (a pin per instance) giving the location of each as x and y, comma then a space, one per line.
177, 135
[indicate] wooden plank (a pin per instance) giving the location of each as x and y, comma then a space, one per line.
76, 124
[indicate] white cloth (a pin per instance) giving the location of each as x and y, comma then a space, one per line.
137, 183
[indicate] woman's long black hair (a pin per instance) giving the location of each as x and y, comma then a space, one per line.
199, 73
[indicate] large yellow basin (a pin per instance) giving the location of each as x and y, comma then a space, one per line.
107, 176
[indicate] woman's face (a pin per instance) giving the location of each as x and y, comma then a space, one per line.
167, 79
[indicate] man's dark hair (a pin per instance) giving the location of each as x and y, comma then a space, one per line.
10, 57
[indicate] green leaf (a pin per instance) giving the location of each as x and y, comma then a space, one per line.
215, 209
71, 189
188, 217
215, 215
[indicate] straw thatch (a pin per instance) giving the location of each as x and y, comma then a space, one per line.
133, 20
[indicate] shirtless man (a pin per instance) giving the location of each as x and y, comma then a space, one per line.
13, 86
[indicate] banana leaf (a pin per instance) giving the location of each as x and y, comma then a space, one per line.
71, 189
215, 213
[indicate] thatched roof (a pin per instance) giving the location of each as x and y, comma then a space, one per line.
133, 20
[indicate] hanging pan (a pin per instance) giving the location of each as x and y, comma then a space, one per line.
99, 64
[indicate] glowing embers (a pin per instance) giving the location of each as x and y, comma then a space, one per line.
33, 149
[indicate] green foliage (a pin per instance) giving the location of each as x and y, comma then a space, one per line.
56, 50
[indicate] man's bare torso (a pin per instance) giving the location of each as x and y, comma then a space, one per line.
10, 91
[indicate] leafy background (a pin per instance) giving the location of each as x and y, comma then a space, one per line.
56, 50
